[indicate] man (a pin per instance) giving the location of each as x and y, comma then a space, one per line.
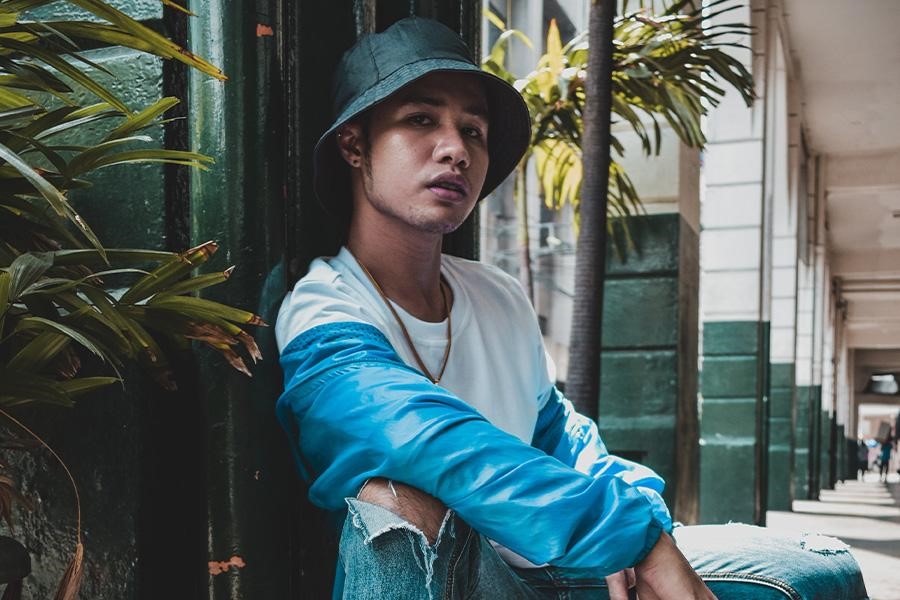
417, 382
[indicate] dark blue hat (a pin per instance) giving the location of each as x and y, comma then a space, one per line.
380, 64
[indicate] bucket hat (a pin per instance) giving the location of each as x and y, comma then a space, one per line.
380, 64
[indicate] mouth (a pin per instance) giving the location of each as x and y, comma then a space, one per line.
449, 186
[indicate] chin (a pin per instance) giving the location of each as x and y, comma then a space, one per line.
442, 227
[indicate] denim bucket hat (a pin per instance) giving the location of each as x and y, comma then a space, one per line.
380, 64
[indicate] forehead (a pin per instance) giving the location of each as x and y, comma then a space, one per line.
447, 87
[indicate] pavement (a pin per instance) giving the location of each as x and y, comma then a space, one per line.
865, 515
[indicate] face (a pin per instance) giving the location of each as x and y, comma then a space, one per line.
423, 157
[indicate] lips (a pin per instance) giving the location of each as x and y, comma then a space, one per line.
449, 186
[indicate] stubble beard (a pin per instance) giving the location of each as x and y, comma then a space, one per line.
415, 217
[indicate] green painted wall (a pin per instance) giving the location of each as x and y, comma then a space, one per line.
733, 423
802, 442
648, 395
781, 436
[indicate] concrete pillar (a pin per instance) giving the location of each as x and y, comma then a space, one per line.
648, 402
735, 282
782, 153
803, 382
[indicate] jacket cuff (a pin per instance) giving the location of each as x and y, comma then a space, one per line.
654, 530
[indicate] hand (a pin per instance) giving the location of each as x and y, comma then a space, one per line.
665, 574
619, 584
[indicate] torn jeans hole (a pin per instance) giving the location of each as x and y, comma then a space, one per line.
823, 544
374, 521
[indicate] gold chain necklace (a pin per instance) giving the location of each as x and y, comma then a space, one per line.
406, 335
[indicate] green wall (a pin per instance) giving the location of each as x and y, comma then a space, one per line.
781, 436
733, 423
648, 393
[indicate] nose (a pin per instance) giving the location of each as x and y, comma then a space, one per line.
450, 147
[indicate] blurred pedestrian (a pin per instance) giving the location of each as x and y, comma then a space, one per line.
885, 459
862, 458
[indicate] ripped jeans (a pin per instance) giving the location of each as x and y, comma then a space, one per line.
385, 557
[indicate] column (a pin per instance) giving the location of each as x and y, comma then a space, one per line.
648, 399
782, 150
735, 280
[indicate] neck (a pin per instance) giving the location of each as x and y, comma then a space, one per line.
406, 264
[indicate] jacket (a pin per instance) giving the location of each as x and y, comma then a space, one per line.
353, 410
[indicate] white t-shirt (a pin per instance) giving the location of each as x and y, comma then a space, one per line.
497, 362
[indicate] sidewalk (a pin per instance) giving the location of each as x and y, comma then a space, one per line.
866, 515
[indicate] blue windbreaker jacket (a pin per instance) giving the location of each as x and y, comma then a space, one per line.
353, 410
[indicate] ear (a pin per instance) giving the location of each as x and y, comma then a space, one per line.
350, 142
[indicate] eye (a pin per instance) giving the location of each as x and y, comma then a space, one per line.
472, 132
420, 119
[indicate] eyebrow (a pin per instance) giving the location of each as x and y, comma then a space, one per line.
478, 110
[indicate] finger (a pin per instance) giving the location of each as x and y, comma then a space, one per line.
630, 577
618, 586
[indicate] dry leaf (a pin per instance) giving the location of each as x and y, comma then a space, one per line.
71, 581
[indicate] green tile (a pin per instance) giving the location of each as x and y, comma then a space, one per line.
639, 383
640, 312
779, 496
781, 375
731, 337
781, 403
655, 249
729, 376
734, 417
780, 433
726, 482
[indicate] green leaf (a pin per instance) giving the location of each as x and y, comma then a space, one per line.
66, 69
143, 118
198, 283
202, 308
50, 193
493, 18
179, 157
21, 388
82, 385
156, 43
5, 280
177, 267
26, 270
40, 323
38, 352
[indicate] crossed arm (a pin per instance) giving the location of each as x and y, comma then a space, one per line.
353, 411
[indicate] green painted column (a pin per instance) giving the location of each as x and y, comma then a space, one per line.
802, 443
648, 409
781, 436
815, 446
250, 483
826, 451
733, 424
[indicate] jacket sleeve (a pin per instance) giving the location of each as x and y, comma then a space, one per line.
353, 410
574, 440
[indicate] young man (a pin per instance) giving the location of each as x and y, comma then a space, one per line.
417, 382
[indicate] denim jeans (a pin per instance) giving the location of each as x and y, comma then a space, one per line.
385, 557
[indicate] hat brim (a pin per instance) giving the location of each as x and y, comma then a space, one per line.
510, 129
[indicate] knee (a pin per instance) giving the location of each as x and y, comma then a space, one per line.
422, 510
